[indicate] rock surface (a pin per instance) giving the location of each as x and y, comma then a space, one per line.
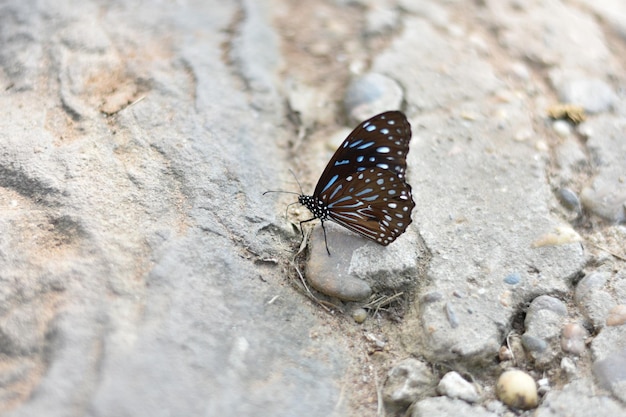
143, 273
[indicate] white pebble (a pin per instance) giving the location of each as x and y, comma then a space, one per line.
562, 128
454, 386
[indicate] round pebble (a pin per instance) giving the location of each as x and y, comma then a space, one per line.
617, 316
542, 146
605, 199
590, 284
513, 279
517, 389
359, 315
562, 128
534, 344
330, 274
570, 200
343, 287
371, 94
545, 302
573, 338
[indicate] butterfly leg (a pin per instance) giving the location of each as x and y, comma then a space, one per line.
323, 228
325, 240
305, 221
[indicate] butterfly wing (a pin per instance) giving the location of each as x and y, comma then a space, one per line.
375, 203
382, 142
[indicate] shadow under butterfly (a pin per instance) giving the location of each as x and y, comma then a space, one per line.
363, 187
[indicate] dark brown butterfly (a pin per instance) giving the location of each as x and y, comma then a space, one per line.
363, 187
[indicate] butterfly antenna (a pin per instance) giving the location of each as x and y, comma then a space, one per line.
280, 191
288, 192
296, 178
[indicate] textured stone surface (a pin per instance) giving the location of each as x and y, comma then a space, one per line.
143, 273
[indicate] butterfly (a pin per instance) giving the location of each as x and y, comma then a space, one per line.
363, 187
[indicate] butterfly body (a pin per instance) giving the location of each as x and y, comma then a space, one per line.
363, 187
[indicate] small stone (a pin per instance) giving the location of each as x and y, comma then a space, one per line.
546, 302
454, 386
534, 344
524, 134
573, 338
514, 342
568, 366
359, 315
517, 389
505, 354
407, 382
431, 297
544, 322
542, 146
459, 293
593, 94
570, 200
331, 274
562, 128
611, 373
451, 316
377, 342
605, 198
589, 284
617, 316
505, 298
370, 94
593, 300
513, 279
345, 288
543, 386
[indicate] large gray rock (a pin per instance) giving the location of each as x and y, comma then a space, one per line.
142, 272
